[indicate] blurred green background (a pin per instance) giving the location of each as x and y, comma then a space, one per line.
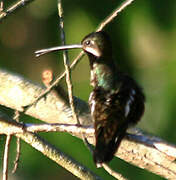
144, 45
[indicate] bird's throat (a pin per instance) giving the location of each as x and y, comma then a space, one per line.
102, 75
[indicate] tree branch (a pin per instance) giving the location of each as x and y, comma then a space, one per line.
44, 147
113, 15
4, 14
16, 92
140, 149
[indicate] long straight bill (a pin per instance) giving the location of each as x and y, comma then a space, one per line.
45, 51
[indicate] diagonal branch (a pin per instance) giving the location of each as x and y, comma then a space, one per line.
66, 62
18, 5
142, 150
113, 15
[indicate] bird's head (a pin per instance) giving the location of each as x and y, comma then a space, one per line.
97, 44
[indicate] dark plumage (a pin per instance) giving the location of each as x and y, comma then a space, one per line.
116, 101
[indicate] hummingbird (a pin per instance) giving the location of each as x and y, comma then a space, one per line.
116, 101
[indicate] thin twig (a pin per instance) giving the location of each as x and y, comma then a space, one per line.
18, 150
16, 116
18, 143
68, 73
66, 62
6, 157
13, 8
73, 129
70, 128
113, 15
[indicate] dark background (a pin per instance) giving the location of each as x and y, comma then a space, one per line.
144, 43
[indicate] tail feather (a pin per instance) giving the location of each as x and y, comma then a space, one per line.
105, 152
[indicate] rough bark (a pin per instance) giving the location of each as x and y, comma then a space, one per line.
140, 149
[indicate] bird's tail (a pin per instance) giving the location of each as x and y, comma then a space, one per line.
104, 152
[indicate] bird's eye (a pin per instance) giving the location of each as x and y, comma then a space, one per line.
87, 42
